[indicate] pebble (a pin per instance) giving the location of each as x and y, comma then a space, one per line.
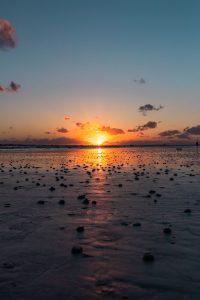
148, 257
76, 250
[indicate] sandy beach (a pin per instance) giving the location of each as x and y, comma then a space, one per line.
100, 224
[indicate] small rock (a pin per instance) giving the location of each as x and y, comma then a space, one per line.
52, 189
81, 197
136, 224
148, 257
86, 201
40, 202
80, 229
167, 230
77, 250
61, 202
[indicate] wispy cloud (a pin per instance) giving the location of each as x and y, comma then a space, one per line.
169, 133
82, 125
12, 87
144, 109
112, 131
7, 35
148, 125
140, 81
66, 118
62, 130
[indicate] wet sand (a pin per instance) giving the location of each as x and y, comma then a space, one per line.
100, 224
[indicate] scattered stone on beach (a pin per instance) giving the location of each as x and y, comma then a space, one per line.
61, 202
167, 230
52, 188
76, 250
187, 211
137, 224
40, 202
81, 197
148, 257
80, 229
152, 192
8, 265
86, 201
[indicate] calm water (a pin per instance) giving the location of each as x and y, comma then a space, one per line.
150, 186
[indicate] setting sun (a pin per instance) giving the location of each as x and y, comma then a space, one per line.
98, 139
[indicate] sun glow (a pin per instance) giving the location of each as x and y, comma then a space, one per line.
98, 139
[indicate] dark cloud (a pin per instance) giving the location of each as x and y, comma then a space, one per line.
148, 125
149, 107
186, 134
66, 118
169, 133
140, 81
112, 131
13, 87
82, 125
62, 130
47, 132
183, 136
193, 130
7, 35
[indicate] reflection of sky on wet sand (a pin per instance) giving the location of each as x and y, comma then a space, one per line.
119, 180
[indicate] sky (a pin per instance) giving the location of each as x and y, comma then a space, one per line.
99, 71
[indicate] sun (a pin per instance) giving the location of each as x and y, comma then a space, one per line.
98, 139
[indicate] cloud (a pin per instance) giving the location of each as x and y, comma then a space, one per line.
148, 125
112, 131
184, 136
169, 133
62, 130
2, 88
13, 87
140, 81
193, 130
66, 118
47, 132
149, 107
82, 125
7, 35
